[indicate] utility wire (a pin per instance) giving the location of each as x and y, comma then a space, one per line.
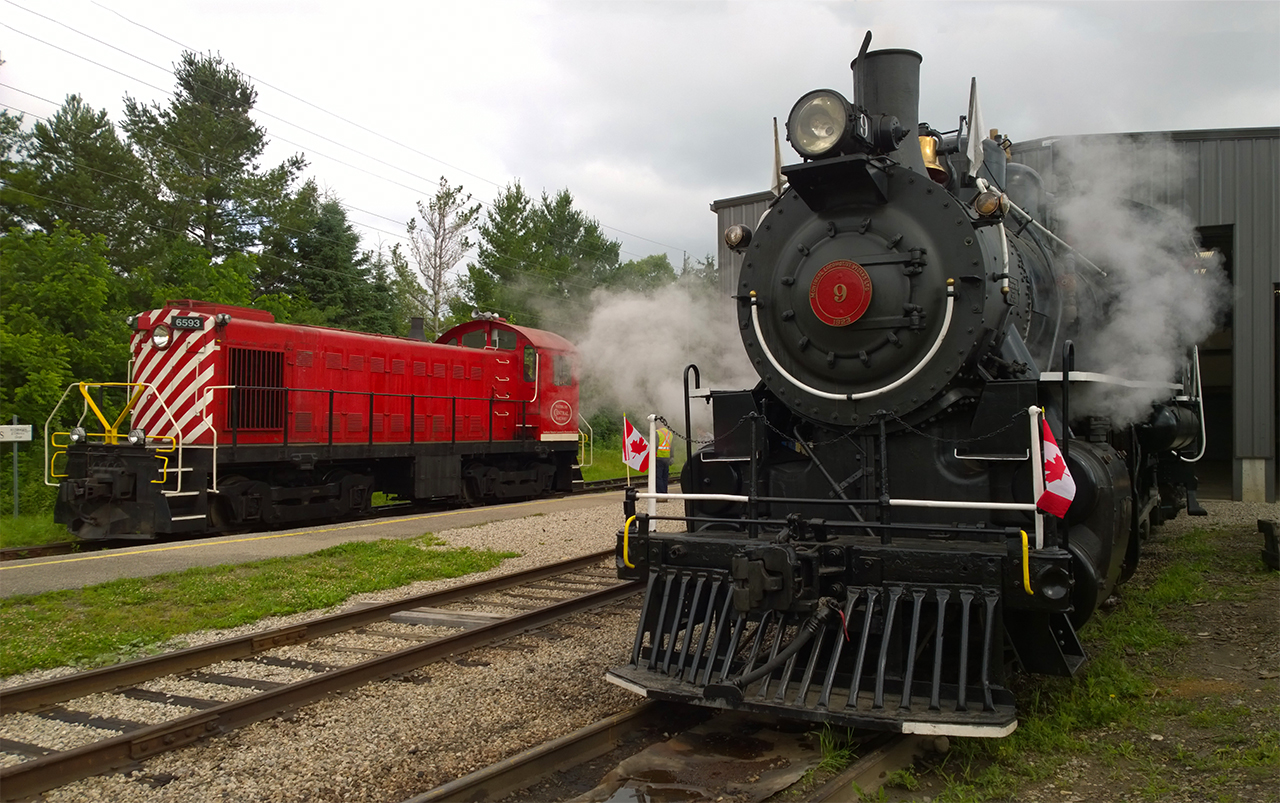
361, 127
327, 156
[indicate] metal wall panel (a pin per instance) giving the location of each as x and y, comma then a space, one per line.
744, 209
1219, 177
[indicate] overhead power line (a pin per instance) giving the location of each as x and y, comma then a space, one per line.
379, 134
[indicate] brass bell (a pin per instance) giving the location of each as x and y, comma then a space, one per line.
929, 150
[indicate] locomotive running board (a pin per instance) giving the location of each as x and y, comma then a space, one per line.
693, 647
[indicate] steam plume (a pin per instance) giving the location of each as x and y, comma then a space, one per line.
1158, 299
635, 347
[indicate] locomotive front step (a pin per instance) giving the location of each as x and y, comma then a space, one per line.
901, 657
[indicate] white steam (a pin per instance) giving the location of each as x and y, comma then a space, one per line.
1158, 299
635, 347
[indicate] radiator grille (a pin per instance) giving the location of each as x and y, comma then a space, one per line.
254, 402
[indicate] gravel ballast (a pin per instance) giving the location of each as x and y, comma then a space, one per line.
390, 740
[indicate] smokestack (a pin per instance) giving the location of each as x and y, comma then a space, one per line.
888, 82
417, 329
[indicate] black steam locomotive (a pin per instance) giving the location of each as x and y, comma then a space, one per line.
861, 545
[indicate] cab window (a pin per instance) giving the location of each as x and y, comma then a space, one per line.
530, 364
474, 339
562, 370
504, 339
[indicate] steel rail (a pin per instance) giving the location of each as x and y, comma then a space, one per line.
31, 696
860, 780
30, 778
527, 768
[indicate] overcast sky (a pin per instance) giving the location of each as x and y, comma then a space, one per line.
645, 111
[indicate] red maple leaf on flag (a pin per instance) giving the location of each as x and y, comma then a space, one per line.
1054, 469
638, 445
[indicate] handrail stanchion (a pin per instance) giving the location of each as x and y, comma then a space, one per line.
688, 417
331, 422
413, 419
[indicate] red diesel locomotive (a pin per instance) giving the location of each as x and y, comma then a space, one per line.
238, 422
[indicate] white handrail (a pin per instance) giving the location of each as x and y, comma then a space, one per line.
822, 394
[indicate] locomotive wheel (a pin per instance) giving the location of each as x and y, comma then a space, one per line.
471, 494
348, 482
221, 514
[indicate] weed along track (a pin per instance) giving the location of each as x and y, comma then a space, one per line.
58, 731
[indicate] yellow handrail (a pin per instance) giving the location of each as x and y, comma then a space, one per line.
164, 469
626, 560
1026, 565
110, 430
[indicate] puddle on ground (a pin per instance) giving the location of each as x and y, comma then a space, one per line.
729, 756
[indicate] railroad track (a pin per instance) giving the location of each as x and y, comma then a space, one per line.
541, 596
383, 511
626, 734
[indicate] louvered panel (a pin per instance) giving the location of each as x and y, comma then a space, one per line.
304, 359
355, 422
333, 360
437, 370
355, 362
419, 368
302, 422
459, 372
477, 372
378, 365
397, 366
255, 404
397, 422
437, 424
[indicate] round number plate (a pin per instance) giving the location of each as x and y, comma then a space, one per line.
840, 293
561, 412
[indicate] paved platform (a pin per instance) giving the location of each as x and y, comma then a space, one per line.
37, 575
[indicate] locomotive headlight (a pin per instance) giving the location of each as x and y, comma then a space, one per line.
818, 122
76, 434
161, 336
137, 437
990, 202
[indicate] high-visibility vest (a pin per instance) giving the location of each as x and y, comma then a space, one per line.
664, 442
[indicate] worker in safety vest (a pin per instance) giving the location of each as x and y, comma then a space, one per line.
664, 458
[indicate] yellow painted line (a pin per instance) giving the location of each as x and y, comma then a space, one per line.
116, 553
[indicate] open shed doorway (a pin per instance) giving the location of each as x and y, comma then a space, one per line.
1218, 381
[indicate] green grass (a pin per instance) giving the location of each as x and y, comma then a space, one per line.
31, 530
114, 621
608, 463
1131, 650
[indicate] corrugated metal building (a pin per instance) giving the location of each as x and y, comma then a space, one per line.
1228, 182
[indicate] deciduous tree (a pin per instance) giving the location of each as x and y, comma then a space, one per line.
438, 243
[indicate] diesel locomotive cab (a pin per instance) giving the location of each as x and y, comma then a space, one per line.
861, 543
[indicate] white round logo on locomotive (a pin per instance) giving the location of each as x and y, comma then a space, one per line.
561, 413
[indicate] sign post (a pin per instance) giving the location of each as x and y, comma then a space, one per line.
16, 434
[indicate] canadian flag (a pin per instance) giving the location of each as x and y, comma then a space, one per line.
1059, 487
635, 448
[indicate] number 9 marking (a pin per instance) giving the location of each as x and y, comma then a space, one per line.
841, 293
